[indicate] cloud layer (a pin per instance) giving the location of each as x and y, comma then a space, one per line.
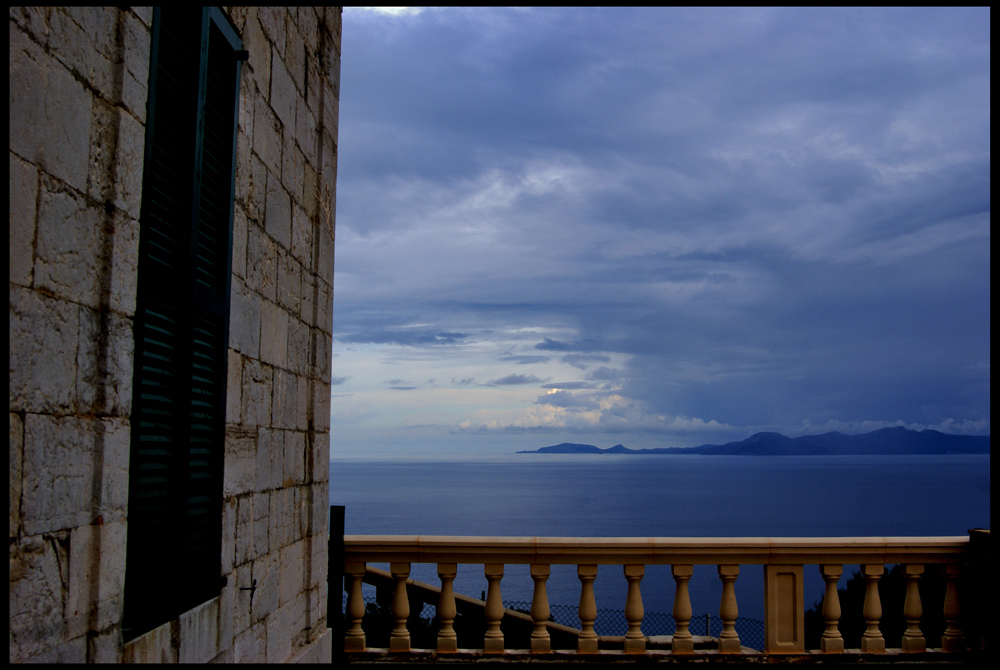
702, 222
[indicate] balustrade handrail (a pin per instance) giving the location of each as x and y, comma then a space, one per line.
654, 550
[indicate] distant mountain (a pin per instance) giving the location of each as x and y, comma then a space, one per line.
885, 441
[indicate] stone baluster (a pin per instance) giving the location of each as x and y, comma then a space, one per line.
635, 641
729, 639
913, 639
872, 641
952, 640
493, 639
400, 638
831, 642
540, 641
354, 637
683, 641
447, 638
587, 642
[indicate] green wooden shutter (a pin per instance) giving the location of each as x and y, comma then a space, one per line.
182, 318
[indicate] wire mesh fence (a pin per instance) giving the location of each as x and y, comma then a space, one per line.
613, 622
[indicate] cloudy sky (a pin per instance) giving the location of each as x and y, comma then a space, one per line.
659, 227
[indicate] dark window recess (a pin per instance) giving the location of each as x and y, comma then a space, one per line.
182, 318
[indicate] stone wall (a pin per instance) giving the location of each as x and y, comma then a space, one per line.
78, 87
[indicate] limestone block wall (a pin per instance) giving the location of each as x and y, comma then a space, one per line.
78, 89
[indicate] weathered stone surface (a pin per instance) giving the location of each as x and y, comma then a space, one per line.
256, 393
104, 362
96, 589
302, 406
283, 399
261, 512
239, 471
250, 646
69, 248
124, 265
244, 319
239, 242
244, 531
262, 257
199, 633
305, 131
16, 453
323, 346
43, 343
49, 113
294, 57
325, 311
234, 386
295, 458
289, 287
259, 65
298, 349
321, 462
267, 136
265, 600
291, 573
272, 21
281, 525
292, 168
105, 646
241, 598
156, 646
136, 44
114, 445
302, 237
38, 567
279, 639
228, 535
58, 472
83, 38
226, 611
278, 212
273, 334
23, 196
270, 455
283, 94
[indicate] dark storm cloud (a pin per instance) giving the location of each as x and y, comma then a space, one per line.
772, 215
515, 380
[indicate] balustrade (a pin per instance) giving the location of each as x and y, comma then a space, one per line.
783, 559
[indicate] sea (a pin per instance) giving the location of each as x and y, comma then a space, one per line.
605, 495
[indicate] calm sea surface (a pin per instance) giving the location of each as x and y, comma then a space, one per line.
660, 496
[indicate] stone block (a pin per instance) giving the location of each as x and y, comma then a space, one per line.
283, 94
117, 144
289, 288
239, 241
301, 233
156, 646
105, 646
324, 310
292, 167
256, 43
243, 550
49, 112
278, 211
262, 258
295, 458
244, 320
136, 44
129, 164
319, 561
226, 612
250, 646
58, 461
322, 401
261, 523
16, 425
37, 593
234, 386
104, 364
321, 456
256, 393
302, 406
23, 197
281, 524
228, 536
298, 349
199, 633
242, 599
270, 456
114, 443
44, 334
295, 55
305, 130
284, 399
73, 651
124, 265
247, 96
96, 591
279, 638
144, 14
267, 136
272, 21
69, 245
273, 334
323, 346
265, 599
240, 461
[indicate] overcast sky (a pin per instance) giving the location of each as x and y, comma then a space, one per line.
659, 227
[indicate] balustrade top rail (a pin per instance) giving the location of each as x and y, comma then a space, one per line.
653, 550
